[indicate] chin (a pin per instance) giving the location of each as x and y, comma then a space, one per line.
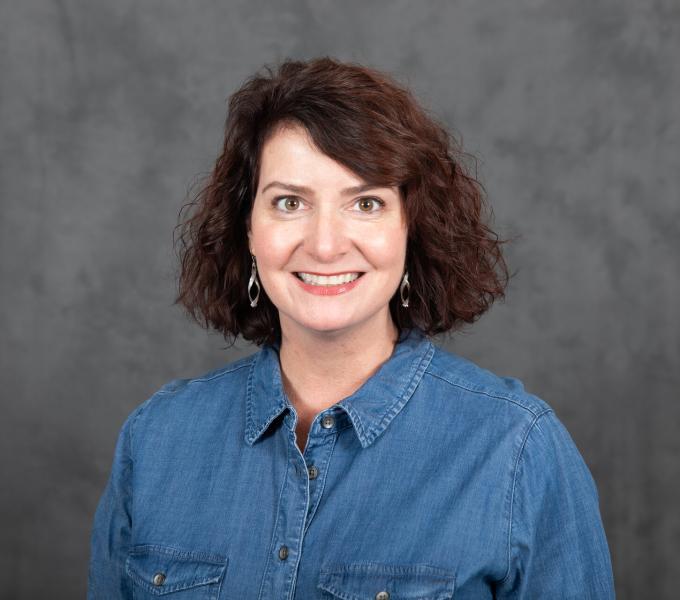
331, 321
328, 326
325, 324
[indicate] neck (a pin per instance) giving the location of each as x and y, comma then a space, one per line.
321, 368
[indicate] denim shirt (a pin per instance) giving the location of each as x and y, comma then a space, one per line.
436, 479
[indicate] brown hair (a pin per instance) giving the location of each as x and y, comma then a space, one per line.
366, 121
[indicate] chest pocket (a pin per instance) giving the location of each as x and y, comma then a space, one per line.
378, 581
178, 574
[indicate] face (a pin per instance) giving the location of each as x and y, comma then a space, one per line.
330, 249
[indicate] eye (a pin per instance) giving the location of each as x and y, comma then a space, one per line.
370, 205
287, 203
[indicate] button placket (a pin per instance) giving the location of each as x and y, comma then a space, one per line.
318, 459
327, 422
279, 576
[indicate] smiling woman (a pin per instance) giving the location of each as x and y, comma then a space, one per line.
315, 248
349, 457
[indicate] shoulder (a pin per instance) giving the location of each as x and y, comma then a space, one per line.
543, 457
210, 379
470, 381
501, 411
541, 448
204, 394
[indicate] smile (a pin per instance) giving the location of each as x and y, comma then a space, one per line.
328, 285
328, 280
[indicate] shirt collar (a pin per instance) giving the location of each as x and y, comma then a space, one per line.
371, 408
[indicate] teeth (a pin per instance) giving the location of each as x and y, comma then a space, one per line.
323, 280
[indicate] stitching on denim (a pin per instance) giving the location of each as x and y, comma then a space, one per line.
292, 577
139, 410
331, 589
520, 454
358, 425
485, 392
220, 373
322, 485
249, 394
218, 591
276, 524
177, 587
420, 569
251, 432
414, 378
268, 420
134, 416
437, 574
215, 560
179, 553
420, 572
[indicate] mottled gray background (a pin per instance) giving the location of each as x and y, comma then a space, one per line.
110, 110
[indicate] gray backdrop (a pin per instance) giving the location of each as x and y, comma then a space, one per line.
110, 110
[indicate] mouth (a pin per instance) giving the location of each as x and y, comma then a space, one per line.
328, 280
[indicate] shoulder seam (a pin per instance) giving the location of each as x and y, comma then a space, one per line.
508, 398
514, 487
220, 373
137, 412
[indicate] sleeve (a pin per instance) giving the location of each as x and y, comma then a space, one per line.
557, 546
111, 532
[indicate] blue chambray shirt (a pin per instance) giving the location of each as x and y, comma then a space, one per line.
435, 480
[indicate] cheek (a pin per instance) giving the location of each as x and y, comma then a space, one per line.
387, 248
272, 245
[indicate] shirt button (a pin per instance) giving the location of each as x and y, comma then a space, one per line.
313, 472
159, 579
382, 596
283, 552
327, 422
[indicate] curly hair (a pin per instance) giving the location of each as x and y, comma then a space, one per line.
366, 121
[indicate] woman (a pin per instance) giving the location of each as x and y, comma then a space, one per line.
349, 458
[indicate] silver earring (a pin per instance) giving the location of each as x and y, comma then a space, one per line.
405, 286
253, 279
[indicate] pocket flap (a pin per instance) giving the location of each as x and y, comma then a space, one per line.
364, 581
162, 569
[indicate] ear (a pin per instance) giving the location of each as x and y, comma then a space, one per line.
250, 235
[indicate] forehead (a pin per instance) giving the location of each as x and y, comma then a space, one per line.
289, 152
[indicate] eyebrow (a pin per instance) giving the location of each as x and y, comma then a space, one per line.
301, 189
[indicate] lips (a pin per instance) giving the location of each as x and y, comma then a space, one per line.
318, 279
324, 286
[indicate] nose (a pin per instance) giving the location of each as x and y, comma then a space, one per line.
326, 236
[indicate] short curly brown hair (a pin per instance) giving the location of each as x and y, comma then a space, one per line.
366, 121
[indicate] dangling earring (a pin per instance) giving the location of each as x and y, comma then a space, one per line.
405, 285
253, 279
